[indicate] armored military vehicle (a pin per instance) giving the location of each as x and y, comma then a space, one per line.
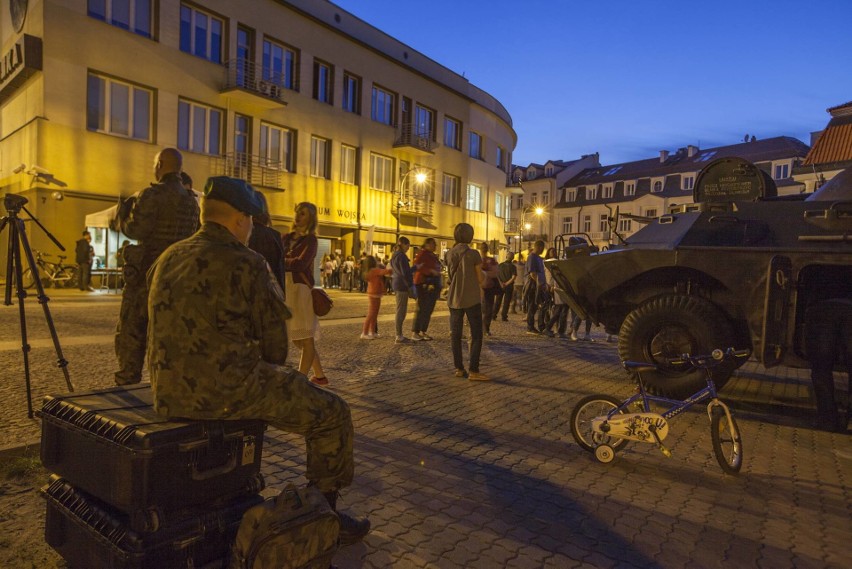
738, 268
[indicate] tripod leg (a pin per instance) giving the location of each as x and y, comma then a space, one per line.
61, 362
14, 254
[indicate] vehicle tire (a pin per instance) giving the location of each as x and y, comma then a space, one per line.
727, 441
668, 326
27, 279
584, 411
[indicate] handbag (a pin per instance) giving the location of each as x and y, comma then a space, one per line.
321, 301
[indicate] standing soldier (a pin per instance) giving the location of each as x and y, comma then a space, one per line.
156, 217
84, 255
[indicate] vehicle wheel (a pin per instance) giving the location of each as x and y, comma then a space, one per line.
604, 453
581, 422
727, 441
668, 326
27, 279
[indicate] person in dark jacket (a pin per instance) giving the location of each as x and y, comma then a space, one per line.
267, 242
161, 214
84, 255
403, 283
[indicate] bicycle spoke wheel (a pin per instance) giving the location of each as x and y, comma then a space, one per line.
581, 422
727, 441
27, 279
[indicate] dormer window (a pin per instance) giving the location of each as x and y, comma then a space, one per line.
592, 193
571, 195
630, 189
658, 186
607, 191
548, 171
530, 174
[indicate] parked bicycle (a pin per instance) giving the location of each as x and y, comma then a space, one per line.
602, 424
58, 273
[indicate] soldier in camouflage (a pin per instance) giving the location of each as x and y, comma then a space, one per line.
217, 343
156, 217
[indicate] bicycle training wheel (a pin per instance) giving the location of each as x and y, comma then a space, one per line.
727, 441
581, 422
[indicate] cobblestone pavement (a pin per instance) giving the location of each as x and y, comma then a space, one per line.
485, 474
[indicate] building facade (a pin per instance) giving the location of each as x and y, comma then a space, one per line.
831, 151
654, 186
299, 97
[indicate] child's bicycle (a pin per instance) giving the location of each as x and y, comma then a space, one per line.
602, 424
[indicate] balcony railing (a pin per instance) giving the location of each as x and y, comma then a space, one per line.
414, 202
411, 136
255, 170
512, 226
251, 77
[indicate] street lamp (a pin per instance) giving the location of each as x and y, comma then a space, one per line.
539, 211
419, 177
527, 227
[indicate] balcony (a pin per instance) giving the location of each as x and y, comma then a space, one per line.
414, 203
255, 170
512, 226
409, 136
247, 79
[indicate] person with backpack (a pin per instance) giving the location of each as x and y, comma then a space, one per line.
464, 299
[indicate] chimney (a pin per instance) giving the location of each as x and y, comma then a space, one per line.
691, 151
664, 155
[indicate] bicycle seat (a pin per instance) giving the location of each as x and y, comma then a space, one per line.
638, 366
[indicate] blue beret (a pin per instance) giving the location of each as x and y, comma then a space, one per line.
234, 192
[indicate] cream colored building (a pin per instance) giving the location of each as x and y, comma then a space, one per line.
299, 97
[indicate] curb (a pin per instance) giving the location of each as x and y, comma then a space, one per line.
20, 449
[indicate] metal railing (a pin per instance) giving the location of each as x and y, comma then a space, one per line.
410, 135
255, 170
252, 77
412, 201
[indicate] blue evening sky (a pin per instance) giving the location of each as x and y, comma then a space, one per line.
628, 78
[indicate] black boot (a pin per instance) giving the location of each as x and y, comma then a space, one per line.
828, 419
352, 529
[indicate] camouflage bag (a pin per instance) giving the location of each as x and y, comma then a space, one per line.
295, 530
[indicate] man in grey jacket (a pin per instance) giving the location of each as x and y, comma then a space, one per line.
402, 284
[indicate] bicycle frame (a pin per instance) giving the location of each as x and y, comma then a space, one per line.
674, 406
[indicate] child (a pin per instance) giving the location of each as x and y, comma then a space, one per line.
375, 290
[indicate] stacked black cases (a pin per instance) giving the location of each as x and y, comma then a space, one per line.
88, 534
136, 490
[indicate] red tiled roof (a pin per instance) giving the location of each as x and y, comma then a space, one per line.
833, 145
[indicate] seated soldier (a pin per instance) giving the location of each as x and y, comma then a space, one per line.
217, 343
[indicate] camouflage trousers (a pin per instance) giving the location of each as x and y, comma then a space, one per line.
289, 402
131, 334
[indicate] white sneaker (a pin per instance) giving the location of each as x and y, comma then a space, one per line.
367, 337
573, 336
403, 340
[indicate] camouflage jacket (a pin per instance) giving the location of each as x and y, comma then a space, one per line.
158, 216
216, 325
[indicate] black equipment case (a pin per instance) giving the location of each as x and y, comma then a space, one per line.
112, 445
89, 534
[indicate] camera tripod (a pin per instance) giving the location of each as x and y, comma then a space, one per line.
14, 272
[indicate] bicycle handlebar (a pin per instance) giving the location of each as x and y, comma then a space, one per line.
712, 359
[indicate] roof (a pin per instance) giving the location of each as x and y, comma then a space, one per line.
840, 109
679, 162
835, 142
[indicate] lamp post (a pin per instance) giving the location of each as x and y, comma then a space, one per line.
419, 177
539, 211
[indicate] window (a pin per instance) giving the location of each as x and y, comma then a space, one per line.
545, 198
323, 82
591, 193
351, 93
534, 198
625, 225
320, 157
499, 210
651, 212
501, 158
348, 164
474, 197
688, 182
450, 189
548, 171
119, 108
706, 156
531, 174
658, 186
630, 189
132, 15
424, 122
607, 191
199, 128
382, 109
519, 204
603, 224
245, 58
568, 225
280, 65
277, 147
381, 172
612, 171
587, 223
201, 33
475, 150
782, 171
571, 195
452, 133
